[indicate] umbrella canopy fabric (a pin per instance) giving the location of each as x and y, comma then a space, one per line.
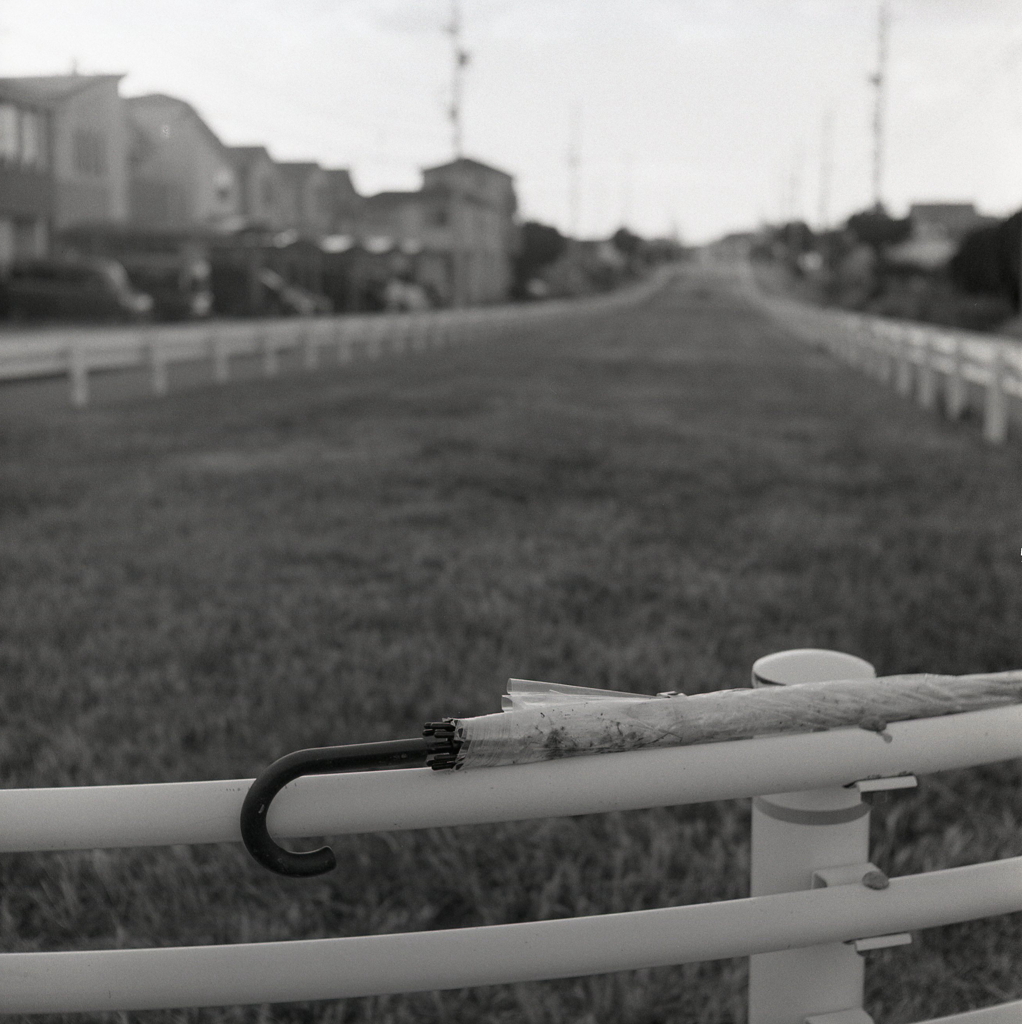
543, 721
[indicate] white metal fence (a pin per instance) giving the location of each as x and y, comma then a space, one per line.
939, 366
811, 930
78, 352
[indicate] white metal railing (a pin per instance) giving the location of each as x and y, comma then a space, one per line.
77, 352
928, 361
268, 972
818, 932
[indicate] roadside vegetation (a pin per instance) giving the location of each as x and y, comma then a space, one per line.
193, 586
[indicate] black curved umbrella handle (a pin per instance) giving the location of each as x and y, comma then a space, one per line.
315, 761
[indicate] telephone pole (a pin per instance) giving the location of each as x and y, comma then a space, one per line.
879, 81
574, 171
826, 170
459, 257
461, 58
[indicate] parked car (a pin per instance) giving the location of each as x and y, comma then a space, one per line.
83, 289
285, 299
180, 288
171, 266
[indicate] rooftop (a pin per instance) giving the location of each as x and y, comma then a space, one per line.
53, 88
463, 161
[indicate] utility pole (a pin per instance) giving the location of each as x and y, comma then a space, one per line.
459, 258
798, 160
627, 168
878, 81
461, 58
826, 170
574, 171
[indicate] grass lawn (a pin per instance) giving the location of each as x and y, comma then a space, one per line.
648, 501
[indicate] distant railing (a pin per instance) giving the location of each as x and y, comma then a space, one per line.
817, 904
957, 369
77, 352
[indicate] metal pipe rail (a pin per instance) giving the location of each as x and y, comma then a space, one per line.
916, 358
385, 801
147, 979
76, 352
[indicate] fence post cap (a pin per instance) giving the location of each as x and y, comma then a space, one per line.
808, 665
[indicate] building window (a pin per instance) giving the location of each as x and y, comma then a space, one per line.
89, 152
32, 152
9, 143
224, 184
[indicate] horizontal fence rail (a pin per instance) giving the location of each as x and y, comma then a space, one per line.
166, 814
816, 901
76, 352
147, 979
850, 911
945, 366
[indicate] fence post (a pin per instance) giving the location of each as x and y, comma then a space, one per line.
956, 393
849, 347
221, 358
870, 348
442, 334
927, 375
375, 329
271, 359
793, 835
158, 367
995, 410
344, 341
310, 347
885, 357
903, 379
853, 342
420, 331
78, 374
397, 334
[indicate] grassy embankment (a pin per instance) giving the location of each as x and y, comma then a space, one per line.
193, 586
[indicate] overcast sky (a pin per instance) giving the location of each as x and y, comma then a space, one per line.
703, 116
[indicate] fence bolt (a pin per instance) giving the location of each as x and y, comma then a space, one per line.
995, 413
855, 1016
795, 835
881, 942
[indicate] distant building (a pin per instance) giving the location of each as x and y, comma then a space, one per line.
344, 202
26, 175
305, 203
89, 144
182, 175
480, 231
945, 220
260, 188
937, 230
735, 247
460, 227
